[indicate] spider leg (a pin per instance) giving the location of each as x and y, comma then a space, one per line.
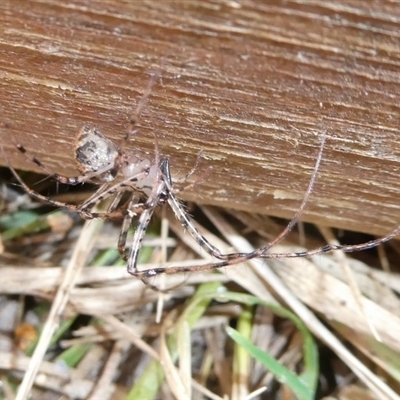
345, 248
187, 224
102, 193
193, 170
137, 240
117, 212
84, 209
171, 270
126, 223
39, 197
215, 252
115, 202
201, 178
136, 114
136, 245
261, 251
182, 215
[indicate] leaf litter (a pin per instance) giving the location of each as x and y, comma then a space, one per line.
81, 330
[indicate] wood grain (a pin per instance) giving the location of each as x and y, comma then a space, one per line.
254, 84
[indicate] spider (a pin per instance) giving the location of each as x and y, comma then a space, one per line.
100, 161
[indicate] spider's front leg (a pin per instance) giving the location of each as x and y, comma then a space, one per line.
137, 240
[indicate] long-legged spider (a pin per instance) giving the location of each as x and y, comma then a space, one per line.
100, 161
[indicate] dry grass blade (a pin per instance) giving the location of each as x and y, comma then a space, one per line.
55, 376
340, 256
180, 389
77, 262
130, 335
103, 388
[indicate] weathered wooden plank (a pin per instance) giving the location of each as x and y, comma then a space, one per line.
255, 84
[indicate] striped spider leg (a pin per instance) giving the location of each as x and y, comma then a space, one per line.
262, 252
